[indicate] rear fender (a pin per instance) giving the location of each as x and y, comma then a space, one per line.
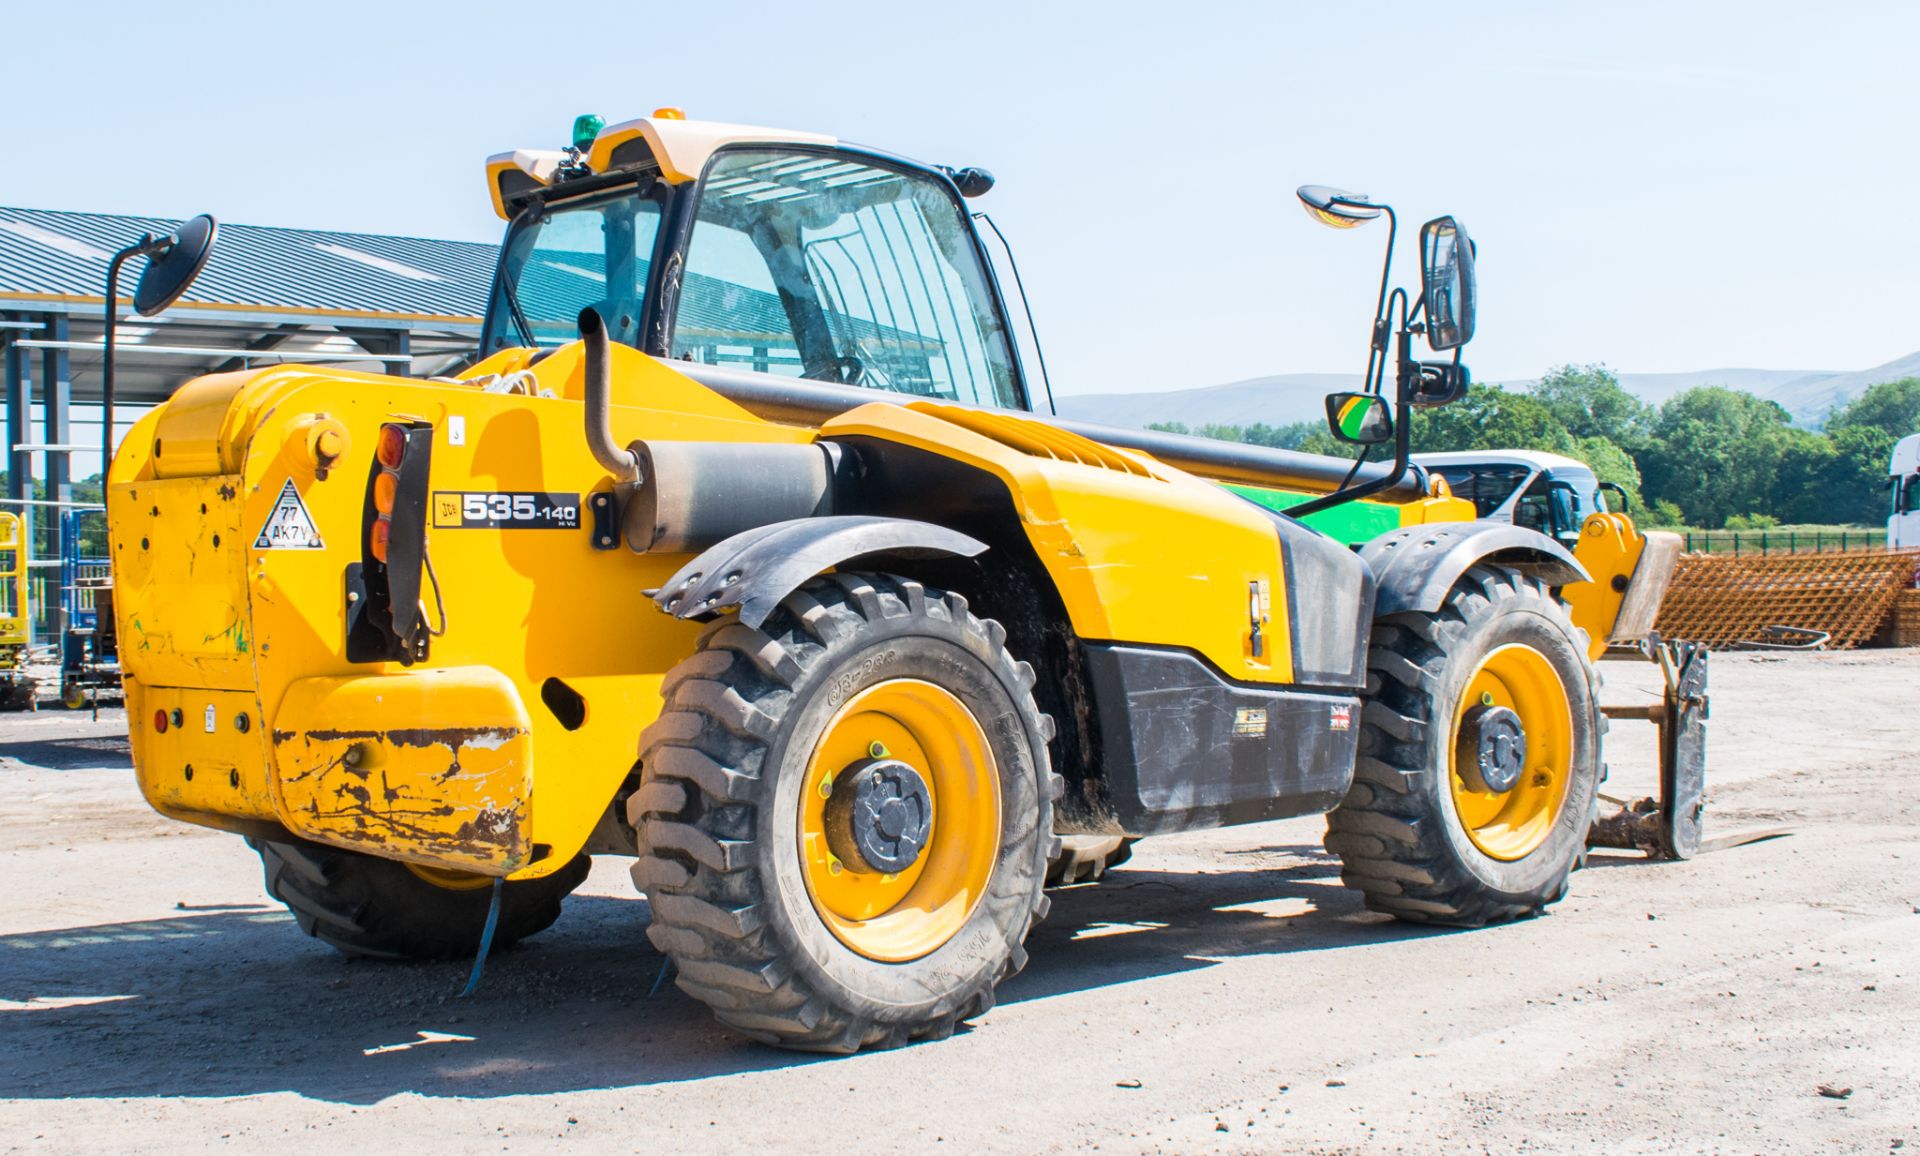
755, 569
1415, 567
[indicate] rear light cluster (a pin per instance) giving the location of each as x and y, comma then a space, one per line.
389, 451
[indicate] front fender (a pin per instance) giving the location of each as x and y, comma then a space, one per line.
757, 568
1415, 567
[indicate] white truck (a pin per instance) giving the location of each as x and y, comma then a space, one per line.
1903, 479
1541, 491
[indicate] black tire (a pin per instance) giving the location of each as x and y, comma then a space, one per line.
376, 908
1398, 832
1085, 858
718, 804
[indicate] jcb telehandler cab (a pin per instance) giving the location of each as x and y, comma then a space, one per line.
742, 551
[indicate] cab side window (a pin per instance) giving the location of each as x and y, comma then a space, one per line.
826, 267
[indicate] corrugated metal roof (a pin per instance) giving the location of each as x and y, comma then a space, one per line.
45, 252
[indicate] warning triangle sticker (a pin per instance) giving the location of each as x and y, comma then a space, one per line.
288, 526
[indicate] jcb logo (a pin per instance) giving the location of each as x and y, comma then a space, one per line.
446, 510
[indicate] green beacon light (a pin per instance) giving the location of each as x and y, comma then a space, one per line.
585, 129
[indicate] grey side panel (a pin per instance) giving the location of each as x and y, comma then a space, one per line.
1416, 566
1329, 606
1182, 748
757, 568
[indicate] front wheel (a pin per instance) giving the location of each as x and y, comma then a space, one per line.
846, 817
1479, 757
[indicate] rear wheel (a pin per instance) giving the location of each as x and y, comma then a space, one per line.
845, 817
378, 908
1479, 757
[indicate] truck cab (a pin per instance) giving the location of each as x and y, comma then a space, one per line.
1541, 491
1903, 480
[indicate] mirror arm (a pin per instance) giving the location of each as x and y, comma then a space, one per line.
106, 352
1406, 376
1376, 366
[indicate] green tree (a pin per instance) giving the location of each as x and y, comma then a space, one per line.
1892, 406
1663, 515
1612, 464
1591, 403
1714, 453
1491, 418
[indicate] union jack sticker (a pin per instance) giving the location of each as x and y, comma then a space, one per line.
1342, 717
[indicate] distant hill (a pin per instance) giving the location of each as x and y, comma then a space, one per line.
1807, 394
1278, 400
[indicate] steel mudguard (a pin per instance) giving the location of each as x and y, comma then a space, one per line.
1415, 567
756, 568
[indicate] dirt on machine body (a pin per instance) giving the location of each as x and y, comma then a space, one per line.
742, 549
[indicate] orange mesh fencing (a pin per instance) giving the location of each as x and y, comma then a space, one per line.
1720, 600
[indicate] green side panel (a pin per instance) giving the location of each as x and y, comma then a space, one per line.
1352, 523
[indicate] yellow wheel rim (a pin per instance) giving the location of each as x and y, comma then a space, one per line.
1511, 824
895, 917
448, 879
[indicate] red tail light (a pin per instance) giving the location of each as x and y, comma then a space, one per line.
392, 446
160, 722
390, 450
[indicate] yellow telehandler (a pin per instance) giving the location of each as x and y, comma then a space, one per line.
748, 549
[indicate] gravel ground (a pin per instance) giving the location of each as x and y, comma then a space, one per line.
1222, 993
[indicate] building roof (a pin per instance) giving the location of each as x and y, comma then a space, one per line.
51, 258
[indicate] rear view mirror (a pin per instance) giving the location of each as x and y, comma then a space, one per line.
173, 262
1439, 383
1360, 419
1446, 257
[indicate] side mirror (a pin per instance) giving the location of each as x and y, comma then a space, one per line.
1360, 419
1617, 488
1440, 383
173, 262
1446, 258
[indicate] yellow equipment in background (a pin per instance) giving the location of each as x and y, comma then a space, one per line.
17, 686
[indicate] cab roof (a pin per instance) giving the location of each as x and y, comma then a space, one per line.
1531, 459
680, 147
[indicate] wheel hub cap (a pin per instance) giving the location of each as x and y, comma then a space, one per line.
879, 816
1499, 741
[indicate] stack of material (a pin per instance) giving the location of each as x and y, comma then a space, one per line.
1723, 600
1906, 619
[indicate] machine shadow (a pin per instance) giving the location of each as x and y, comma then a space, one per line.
71, 753
237, 1002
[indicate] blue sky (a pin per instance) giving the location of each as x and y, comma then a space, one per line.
1664, 187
